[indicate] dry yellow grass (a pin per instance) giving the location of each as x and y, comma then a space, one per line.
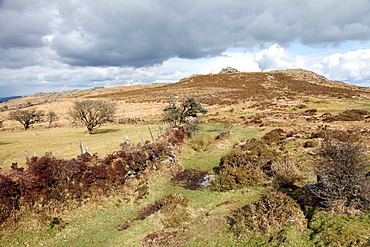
64, 142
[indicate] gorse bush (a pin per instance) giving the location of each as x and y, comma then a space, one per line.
247, 165
237, 170
271, 213
275, 135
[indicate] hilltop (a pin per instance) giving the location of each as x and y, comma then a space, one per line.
218, 88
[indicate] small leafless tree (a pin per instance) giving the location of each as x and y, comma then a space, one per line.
93, 113
26, 117
51, 117
342, 168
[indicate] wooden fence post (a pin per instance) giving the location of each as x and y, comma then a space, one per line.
151, 134
142, 140
26, 154
81, 148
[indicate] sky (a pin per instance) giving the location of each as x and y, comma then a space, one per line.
58, 45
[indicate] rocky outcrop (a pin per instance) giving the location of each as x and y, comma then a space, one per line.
228, 70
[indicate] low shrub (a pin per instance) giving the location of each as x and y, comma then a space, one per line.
275, 135
9, 195
271, 213
286, 170
348, 115
199, 143
313, 110
340, 230
339, 135
260, 152
174, 209
237, 170
310, 144
344, 186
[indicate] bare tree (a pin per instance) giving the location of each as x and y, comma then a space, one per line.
93, 113
51, 116
342, 168
26, 117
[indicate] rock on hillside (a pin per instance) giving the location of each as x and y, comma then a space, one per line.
228, 70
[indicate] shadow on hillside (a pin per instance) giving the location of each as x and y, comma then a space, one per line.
105, 131
5, 143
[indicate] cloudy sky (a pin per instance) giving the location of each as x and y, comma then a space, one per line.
56, 45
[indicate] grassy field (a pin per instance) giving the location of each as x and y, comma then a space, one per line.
65, 142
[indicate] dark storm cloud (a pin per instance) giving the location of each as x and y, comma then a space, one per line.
148, 32
23, 27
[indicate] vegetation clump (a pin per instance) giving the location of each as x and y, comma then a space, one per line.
344, 185
339, 230
285, 170
348, 115
176, 114
174, 209
247, 165
325, 133
200, 143
275, 135
271, 213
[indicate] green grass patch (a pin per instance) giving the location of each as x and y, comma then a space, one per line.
204, 153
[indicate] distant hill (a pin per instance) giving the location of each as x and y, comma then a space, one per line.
222, 88
4, 99
228, 88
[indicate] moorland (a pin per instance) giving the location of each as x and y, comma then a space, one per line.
280, 159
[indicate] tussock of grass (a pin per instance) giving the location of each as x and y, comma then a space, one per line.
340, 230
271, 213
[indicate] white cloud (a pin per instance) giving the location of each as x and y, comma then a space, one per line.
349, 66
276, 57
